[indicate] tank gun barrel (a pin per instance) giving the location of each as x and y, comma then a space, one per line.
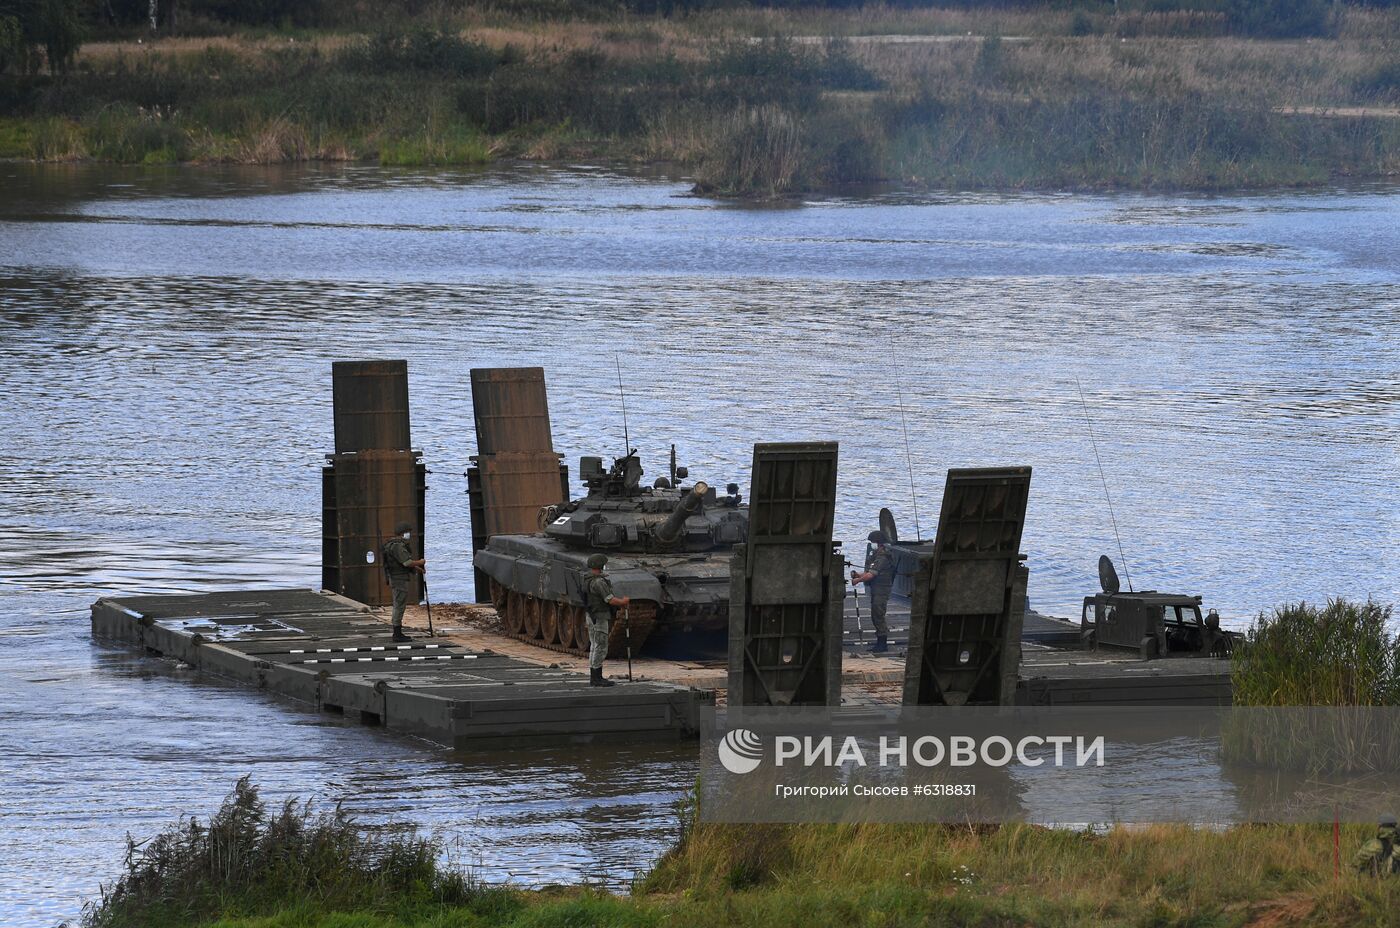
689, 505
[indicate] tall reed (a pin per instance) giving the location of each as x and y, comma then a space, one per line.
1341, 654
1317, 690
757, 152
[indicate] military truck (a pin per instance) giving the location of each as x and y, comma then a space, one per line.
668, 548
1153, 624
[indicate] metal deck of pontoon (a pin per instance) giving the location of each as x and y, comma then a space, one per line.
336, 654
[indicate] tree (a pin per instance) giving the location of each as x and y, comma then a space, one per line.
28, 27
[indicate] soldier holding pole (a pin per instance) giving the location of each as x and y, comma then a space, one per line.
599, 601
400, 565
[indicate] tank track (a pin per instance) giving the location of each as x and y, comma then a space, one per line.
532, 620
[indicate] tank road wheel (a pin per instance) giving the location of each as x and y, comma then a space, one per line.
512, 615
579, 620
549, 621
564, 617
498, 594
532, 617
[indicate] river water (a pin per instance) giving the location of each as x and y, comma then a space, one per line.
165, 346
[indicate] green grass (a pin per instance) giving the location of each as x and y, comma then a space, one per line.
17, 137
887, 876
436, 150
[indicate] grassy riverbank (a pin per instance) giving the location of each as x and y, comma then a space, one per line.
251, 868
753, 102
339, 876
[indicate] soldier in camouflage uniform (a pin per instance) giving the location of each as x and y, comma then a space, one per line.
598, 593
879, 580
1377, 856
400, 565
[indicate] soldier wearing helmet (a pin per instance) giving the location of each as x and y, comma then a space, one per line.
599, 600
400, 565
1378, 855
878, 578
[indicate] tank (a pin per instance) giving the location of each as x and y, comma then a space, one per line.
668, 546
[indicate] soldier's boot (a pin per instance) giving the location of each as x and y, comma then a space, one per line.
881, 645
399, 635
596, 678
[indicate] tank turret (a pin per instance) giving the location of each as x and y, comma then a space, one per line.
668, 547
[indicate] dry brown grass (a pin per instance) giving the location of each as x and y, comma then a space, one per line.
1280, 74
879, 19
1353, 22
919, 49
277, 141
678, 136
183, 48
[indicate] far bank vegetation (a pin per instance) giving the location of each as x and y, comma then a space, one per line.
755, 101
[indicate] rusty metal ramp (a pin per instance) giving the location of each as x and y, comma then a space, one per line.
370, 400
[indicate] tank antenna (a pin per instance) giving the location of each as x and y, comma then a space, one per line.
626, 437
1112, 518
908, 460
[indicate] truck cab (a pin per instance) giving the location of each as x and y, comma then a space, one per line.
1154, 624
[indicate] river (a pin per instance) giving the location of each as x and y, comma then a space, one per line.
166, 337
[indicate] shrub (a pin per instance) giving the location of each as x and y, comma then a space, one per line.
425, 49
1281, 18
991, 58
12, 48
845, 147
839, 70
778, 69
1382, 80
247, 859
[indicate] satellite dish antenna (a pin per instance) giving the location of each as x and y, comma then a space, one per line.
1108, 577
887, 526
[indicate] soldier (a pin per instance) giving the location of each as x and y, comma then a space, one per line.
400, 565
1377, 856
600, 600
879, 580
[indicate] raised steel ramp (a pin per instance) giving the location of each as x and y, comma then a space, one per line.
965, 630
786, 586
335, 654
